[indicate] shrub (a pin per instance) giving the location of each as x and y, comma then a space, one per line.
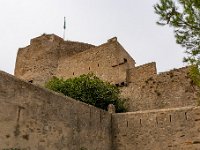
89, 89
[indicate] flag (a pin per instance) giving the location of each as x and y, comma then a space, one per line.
64, 24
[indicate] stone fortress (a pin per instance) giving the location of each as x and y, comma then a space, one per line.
163, 112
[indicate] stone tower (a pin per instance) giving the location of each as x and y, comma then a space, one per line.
49, 55
39, 61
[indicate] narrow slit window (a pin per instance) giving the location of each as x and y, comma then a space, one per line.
30, 81
186, 118
156, 120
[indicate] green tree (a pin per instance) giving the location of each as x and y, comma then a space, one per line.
184, 17
89, 89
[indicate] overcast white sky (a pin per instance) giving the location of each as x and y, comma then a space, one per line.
90, 21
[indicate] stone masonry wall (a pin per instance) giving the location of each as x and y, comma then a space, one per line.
69, 48
49, 55
38, 62
166, 90
141, 72
168, 129
108, 61
32, 118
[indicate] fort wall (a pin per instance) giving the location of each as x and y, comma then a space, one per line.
141, 72
69, 48
162, 107
167, 129
107, 61
33, 63
50, 55
31, 115
33, 118
166, 90
38, 62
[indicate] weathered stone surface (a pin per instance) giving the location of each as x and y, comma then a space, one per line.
108, 61
38, 62
167, 129
166, 90
49, 55
30, 115
33, 118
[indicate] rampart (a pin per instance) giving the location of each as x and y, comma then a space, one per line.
32, 118
167, 129
166, 90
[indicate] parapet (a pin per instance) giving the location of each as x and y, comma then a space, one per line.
114, 39
46, 37
141, 72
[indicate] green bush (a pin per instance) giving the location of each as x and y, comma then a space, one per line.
89, 89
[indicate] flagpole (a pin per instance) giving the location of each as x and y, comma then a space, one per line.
64, 27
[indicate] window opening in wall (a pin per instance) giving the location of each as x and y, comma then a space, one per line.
98, 65
125, 60
170, 118
73, 73
186, 116
140, 121
100, 117
30, 81
117, 85
156, 120
122, 84
89, 68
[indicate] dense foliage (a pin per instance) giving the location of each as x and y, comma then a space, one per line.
184, 17
89, 89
